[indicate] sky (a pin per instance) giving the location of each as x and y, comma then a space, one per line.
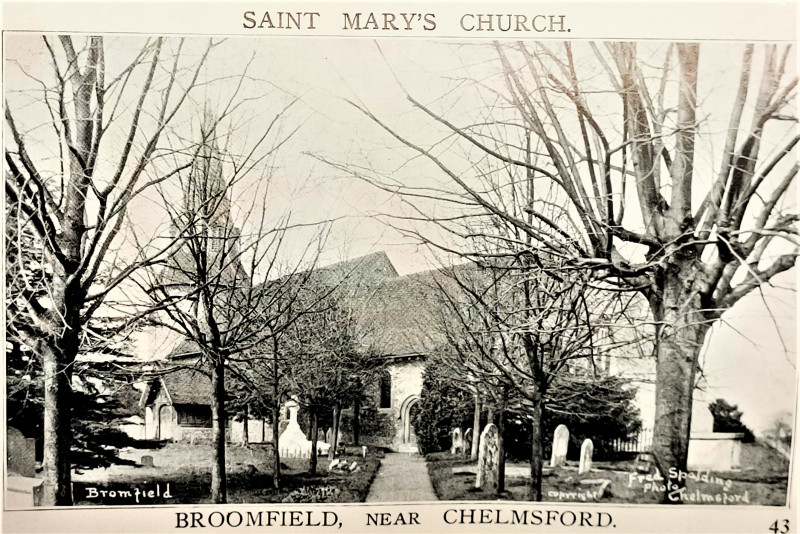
750, 357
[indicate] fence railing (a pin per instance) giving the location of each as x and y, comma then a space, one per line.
641, 442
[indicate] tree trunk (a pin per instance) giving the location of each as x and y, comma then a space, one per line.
680, 333
476, 429
246, 429
537, 451
337, 413
357, 422
276, 456
314, 431
57, 484
501, 450
219, 486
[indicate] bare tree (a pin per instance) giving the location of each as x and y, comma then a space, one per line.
75, 159
530, 340
204, 288
616, 139
329, 361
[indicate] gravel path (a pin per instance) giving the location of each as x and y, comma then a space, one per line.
402, 477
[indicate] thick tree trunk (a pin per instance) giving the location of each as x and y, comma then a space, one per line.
58, 354
314, 431
219, 486
476, 429
357, 422
681, 331
537, 452
57, 484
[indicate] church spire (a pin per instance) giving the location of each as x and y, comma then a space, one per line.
205, 192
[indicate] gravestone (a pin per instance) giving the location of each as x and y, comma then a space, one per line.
457, 445
329, 436
488, 458
467, 442
269, 451
21, 453
560, 443
645, 463
587, 450
320, 435
147, 461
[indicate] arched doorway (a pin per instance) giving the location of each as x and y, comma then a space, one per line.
408, 438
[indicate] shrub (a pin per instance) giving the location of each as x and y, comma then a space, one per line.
374, 423
728, 418
441, 408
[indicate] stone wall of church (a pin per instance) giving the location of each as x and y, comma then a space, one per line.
386, 427
406, 389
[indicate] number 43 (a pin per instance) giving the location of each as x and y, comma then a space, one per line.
782, 529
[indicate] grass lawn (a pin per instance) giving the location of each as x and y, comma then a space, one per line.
182, 475
762, 481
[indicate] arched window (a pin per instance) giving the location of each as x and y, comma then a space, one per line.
386, 391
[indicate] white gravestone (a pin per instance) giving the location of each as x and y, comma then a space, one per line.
587, 450
457, 445
560, 443
488, 458
292, 442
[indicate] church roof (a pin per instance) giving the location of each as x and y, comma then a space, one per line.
183, 386
400, 316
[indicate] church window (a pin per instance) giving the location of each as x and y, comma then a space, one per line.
386, 391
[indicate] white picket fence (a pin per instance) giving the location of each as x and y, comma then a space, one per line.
641, 442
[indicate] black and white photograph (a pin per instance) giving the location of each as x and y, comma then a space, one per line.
245, 270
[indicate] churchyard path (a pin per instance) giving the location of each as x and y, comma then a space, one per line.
402, 477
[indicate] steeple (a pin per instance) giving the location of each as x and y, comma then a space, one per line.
211, 240
205, 191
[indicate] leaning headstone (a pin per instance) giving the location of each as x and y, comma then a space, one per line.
467, 442
457, 445
21, 454
329, 436
560, 443
147, 461
488, 458
645, 463
587, 450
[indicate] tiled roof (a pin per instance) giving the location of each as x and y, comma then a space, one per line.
399, 315
187, 386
